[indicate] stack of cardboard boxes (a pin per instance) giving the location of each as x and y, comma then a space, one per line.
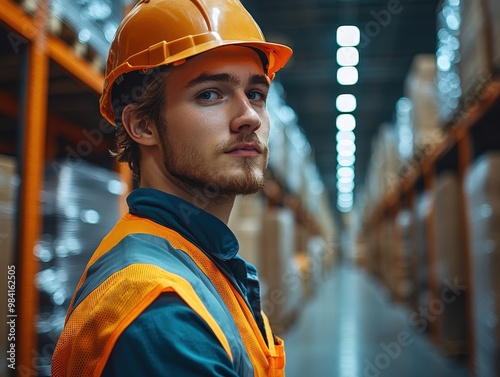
420, 89
483, 201
405, 247
475, 49
8, 184
424, 210
450, 253
280, 269
246, 223
468, 54
449, 90
492, 12
290, 259
382, 174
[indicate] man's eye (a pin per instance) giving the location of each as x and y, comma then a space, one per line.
208, 95
256, 96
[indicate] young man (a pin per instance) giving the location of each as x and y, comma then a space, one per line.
165, 293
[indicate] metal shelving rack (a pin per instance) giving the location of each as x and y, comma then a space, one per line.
458, 145
37, 66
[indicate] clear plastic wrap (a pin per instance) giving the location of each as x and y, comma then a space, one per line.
80, 206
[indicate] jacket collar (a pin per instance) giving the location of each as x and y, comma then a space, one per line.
196, 225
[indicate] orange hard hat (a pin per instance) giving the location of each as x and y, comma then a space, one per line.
162, 32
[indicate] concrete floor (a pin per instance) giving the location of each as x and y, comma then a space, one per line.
351, 328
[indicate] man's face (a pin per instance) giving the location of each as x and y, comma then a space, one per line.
217, 125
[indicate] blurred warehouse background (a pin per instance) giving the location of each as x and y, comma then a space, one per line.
377, 235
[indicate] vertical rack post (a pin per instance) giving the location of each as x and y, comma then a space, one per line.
411, 197
31, 169
430, 183
397, 257
464, 160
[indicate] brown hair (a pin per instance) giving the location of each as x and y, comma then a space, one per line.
146, 90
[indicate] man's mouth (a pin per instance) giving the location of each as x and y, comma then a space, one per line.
246, 149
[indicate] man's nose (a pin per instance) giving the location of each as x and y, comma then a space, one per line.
246, 118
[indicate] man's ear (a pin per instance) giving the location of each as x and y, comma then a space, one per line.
139, 129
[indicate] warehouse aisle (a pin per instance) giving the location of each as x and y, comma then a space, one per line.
352, 329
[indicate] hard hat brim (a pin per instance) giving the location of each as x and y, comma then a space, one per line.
164, 53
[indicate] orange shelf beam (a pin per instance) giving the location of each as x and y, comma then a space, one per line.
76, 66
56, 124
19, 21
32, 163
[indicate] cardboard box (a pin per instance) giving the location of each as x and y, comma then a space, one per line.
8, 185
247, 206
493, 14
449, 90
475, 49
248, 232
482, 187
420, 88
406, 229
450, 264
449, 232
246, 224
279, 272
424, 209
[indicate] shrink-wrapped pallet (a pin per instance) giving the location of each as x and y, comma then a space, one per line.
449, 89
246, 224
387, 254
81, 205
297, 151
450, 264
475, 49
449, 234
420, 89
483, 200
373, 259
329, 231
89, 24
279, 115
311, 259
493, 14
8, 183
405, 222
318, 256
280, 274
423, 212
384, 163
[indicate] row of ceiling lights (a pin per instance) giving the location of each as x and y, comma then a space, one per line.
348, 37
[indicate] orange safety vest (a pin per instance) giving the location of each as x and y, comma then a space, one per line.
95, 324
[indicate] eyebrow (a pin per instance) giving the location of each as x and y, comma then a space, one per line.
227, 78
